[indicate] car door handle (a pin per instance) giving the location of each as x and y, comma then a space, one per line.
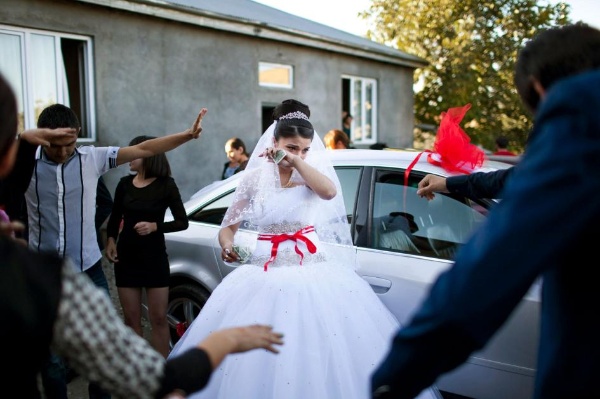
379, 285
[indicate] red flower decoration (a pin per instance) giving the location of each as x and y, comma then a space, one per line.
452, 149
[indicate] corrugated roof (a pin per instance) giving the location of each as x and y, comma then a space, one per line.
256, 13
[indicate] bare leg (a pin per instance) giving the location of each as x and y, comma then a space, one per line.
158, 299
131, 302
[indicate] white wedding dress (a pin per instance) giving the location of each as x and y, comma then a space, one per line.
336, 330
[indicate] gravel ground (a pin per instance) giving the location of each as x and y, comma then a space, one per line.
77, 389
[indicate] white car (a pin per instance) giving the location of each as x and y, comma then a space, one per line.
403, 243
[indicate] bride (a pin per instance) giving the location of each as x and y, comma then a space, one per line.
299, 277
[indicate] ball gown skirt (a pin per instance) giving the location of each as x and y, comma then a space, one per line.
336, 330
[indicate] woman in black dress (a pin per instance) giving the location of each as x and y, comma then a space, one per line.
137, 219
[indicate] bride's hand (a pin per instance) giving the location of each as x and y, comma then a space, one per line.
272, 156
269, 152
229, 255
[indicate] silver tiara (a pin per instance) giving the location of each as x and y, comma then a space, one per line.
295, 115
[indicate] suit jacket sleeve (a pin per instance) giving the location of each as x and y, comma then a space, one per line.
480, 184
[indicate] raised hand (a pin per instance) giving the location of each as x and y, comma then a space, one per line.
196, 128
46, 137
277, 155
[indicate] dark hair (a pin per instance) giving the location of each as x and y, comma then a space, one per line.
555, 54
289, 106
156, 165
56, 116
335, 135
8, 116
502, 142
294, 127
378, 146
237, 143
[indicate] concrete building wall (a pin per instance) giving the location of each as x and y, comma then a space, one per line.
152, 76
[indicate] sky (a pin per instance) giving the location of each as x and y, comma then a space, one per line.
342, 14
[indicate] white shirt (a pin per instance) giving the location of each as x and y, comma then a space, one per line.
61, 204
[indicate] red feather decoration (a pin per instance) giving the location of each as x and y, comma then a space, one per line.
452, 149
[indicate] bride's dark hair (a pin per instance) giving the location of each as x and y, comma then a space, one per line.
292, 125
288, 106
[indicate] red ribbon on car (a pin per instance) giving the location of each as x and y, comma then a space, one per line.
277, 239
452, 149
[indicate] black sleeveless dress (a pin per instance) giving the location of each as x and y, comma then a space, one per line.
143, 260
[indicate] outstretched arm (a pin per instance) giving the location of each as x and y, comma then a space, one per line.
475, 186
159, 145
151, 376
480, 184
190, 371
239, 339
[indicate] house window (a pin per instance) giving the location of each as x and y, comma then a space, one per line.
275, 75
45, 68
359, 98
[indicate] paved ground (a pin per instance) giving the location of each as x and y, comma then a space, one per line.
77, 389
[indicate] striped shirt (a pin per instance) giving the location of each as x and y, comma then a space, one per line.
61, 204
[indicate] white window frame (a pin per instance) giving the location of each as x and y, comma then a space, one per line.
290, 68
359, 109
86, 77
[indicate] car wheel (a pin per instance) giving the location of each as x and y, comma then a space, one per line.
185, 302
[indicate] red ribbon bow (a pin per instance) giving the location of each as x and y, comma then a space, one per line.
452, 149
276, 239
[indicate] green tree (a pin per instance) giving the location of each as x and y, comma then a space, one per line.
471, 46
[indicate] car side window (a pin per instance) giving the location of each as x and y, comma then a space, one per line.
213, 212
404, 222
349, 180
